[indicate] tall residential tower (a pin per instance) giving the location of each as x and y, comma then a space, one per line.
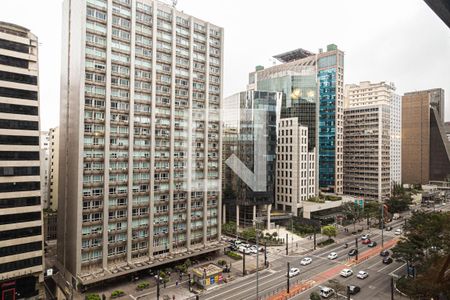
381, 93
140, 137
21, 234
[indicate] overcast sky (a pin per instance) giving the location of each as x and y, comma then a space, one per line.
402, 41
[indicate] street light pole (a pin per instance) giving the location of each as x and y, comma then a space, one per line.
257, 261
288, 269
382, 225
287, 244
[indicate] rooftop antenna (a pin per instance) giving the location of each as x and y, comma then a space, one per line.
174, 3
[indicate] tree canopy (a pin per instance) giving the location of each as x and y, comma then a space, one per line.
329, 231
426, 247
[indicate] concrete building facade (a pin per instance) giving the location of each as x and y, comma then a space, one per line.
425, 147
45, 167
295, 177
367, 152
140, 138
53, 168
365, 94
21, 233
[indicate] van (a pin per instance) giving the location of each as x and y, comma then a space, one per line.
326, 292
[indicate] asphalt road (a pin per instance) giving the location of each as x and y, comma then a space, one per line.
274, 279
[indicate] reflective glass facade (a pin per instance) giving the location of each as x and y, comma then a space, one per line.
327, 126
299, 100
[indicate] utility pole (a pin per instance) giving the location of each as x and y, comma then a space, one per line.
257, 262
382, 225
265, 254
243, 264
392, 288
157, 285
288, 268
356, 245
287, 244
315, 245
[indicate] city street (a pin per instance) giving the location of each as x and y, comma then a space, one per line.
376, 286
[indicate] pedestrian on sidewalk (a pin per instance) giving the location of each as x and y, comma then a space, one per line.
176, 283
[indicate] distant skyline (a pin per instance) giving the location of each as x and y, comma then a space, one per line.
400, 41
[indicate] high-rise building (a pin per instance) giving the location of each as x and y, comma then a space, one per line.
367, 151
367, 94
140, 138
313, 92
295, 178
21, 234
45, 154
53, 168
425, 147
250, 118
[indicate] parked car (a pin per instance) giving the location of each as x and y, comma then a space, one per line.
384, 253
243, 249
372, 244
306, 261
352, 252
332, 255
294, 272
389, 228
362, 275
326, 292
365, 237
353, 289
366, 241
346, 273
253, 250
387, 260
398, 231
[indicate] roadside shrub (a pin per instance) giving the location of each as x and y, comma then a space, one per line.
143, 285
221, 262
234, 255
325, 243
117, 293
92, 297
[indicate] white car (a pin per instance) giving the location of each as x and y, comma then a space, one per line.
362, 275
306, 261
365, 237
346, 273
244, 250
326, 292
398, 231
332, 255
294, 272
253, 250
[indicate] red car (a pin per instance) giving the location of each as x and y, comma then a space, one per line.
366, 241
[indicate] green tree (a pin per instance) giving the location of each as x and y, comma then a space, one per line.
329, 231
426, 247
249, 233
352, 212
372, 210
229, 228
398, 204
314, 296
